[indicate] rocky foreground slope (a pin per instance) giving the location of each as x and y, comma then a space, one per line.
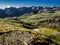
23, 38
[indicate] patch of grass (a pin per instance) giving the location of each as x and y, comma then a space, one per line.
48, 31
52, 34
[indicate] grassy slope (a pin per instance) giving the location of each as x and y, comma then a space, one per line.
7, 25
52, 32
50, 20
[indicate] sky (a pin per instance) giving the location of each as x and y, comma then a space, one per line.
21, 3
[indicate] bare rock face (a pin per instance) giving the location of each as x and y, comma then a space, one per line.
17, 38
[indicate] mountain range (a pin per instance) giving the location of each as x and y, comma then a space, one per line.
13, 11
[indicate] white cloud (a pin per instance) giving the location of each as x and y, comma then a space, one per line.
4, 6
8, 6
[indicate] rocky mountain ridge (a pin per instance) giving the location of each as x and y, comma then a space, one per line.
13, 11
